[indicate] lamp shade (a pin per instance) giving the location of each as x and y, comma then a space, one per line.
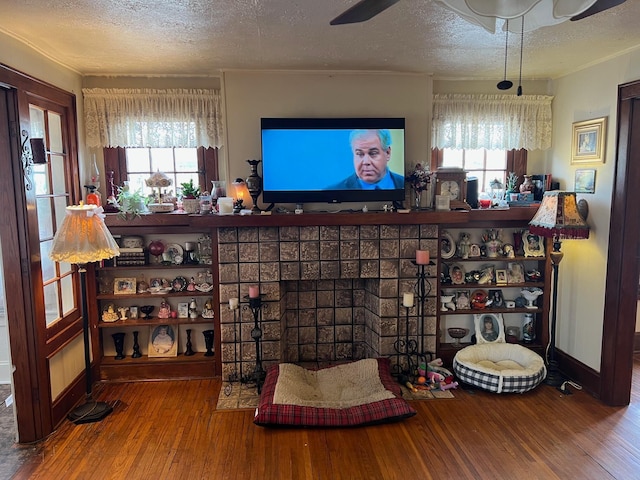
83, 237
242, 192
558, 216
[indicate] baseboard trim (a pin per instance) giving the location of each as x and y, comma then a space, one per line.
577, 371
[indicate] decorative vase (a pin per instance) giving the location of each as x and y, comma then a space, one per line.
189, 350
527, 185
254, 184
528, 328
208, 342
136, 346
118, 341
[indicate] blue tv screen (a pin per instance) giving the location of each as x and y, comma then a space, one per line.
333, 160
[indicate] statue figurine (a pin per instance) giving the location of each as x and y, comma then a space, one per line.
110, 315
464, 245
165, 310
207, 311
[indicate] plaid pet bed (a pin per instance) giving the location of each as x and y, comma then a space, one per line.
500, 367
382, 411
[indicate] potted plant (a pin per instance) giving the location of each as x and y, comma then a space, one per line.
512, 186
130, 203
190, 194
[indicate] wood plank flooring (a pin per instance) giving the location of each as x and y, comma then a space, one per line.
171, 430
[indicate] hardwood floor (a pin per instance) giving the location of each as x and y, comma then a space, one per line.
171, 430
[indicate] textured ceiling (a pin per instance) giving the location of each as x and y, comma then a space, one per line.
202, 37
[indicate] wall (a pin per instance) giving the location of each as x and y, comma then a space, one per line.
252, 95
587, 94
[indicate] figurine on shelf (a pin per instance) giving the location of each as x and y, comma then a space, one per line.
207, 311
193, 309
165, 310
464, 245
110, 315
123, 312
191, 287
492, 242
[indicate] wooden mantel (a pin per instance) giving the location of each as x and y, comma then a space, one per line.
322, 218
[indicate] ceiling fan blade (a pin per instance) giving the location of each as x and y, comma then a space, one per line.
362, 11
599, 6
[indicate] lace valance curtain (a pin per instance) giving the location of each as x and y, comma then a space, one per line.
493, 122
152, 118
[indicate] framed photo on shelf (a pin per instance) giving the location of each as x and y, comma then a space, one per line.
497, 300
447, 245
585, 181
124, 286
489, 327
515, 272
532, 244
501, 277
588, 141
133, 312
163, 341
457, 274
183, 310
463, 300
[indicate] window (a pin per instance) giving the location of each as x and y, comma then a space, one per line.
179, 164
136, 164
484, 164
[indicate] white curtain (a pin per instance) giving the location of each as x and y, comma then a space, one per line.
493, 122
152, 118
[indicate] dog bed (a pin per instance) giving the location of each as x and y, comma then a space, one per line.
356, 393
500, 367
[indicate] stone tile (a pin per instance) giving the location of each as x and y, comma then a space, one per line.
289, 234
249, 272
269, 251
325, 316
349, 232
227, 235
409, 231
289, 251
344, 333
389, 231
344, 298
350, 269
369, 268
228, 252
325, 298
369, 249
389, 288
389, 268
389, 248
329, 250
307, 300
289, 270
249, 252
325, 334
268, 234
228, 273
343, 315
248, 234
428, 231
309, 250
309, 233
269, 271
349, 249
307, 317
329, 270
329, 233
369, 232
309, 270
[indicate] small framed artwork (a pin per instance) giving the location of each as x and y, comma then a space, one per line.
474, 250
585, 181
489, 327
457, 274
496, 298
501, 277
515, 272
447, 245
463, 300
163, 341
588, 141
124, 286
133, 312
183, 310
532, 244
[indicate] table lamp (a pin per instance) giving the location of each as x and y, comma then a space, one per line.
83, 238
558, 218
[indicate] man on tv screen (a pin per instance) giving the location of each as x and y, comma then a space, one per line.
371, 154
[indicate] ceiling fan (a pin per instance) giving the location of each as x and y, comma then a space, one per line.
367, 9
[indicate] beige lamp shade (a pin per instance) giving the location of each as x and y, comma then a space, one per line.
242, 193
558, 217
83, 237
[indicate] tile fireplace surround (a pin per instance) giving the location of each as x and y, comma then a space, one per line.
331, 293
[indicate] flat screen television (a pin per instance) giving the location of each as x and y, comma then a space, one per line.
312, 160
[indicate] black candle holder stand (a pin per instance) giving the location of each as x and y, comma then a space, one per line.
255, 306
406, 353
422, 289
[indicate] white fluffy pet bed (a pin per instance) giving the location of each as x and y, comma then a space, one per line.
500, 367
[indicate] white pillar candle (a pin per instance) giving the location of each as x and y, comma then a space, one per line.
407, 299
225, 205
233, 303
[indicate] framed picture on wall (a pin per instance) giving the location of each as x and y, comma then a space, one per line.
585, 181
588, 141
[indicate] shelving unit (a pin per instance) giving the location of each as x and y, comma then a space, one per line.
513, 317
101, 294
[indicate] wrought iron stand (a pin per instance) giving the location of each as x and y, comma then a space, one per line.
258, 375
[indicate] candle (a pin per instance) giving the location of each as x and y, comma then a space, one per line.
407, 299
422, 257
254, 291
233, 303
225, 205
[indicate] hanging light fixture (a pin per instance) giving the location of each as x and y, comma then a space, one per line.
505, 84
